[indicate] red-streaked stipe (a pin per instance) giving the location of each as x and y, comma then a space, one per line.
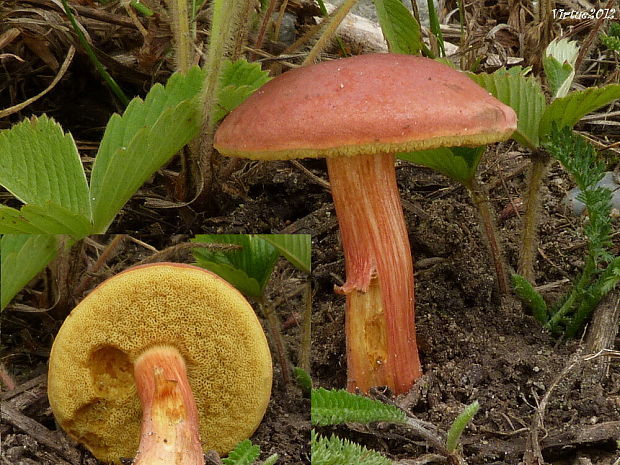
380, 327
169, 433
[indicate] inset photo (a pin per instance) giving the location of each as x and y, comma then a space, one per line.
115, 350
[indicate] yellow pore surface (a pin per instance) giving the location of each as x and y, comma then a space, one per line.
90, 383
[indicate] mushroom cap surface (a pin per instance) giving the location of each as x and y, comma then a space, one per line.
91, 386
376, 103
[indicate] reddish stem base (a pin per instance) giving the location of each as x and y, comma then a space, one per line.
380, 327
169, 433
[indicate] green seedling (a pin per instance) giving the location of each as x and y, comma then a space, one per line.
333, 407
458, 426
246, 453
250, 268
303, 379
41, 167
535, 118
22, 257
601, 271
611, 40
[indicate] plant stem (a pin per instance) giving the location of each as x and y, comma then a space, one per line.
169, 433
180, 30
332, 23
481, 199
275, 328
527, 254
305, 343
271, 8
228, 21
379, 315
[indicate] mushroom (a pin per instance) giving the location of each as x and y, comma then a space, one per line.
175, 339
358, 112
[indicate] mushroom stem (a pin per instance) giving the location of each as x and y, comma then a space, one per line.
169, 433
379, 318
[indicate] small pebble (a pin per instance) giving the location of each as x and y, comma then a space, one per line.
577, 208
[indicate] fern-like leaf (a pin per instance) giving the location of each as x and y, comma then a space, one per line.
332, 407
336, 451
531, 298
244, 453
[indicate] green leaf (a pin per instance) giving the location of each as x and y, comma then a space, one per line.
336, 451
567, 111
333, 407
248, 269
559, 76
22, 257
400, 28
531, 298
54, 219
296, 248
609, 278
12, 222
239, 80
458, 163
40, 164
523, 94
244, 453
559, 64
238, 278
141, 141
459, 425
43, 219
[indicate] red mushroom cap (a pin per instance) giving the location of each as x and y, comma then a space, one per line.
378, 103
